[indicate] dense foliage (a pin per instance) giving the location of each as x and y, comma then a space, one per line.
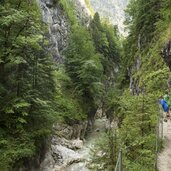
148, 23
34, 92
91, 58
26, 82
149, 29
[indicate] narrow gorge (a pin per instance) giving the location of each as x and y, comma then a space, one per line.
80, 82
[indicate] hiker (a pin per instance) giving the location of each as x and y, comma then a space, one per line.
165, 108
166, 98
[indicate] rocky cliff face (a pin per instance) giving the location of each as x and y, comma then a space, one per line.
57, 151
166, 53
58, 26
63, 143
113, 10
134, 82
65, 139
82, 12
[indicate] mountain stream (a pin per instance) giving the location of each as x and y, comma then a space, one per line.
92, 138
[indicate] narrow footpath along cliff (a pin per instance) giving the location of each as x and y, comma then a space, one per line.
164, 157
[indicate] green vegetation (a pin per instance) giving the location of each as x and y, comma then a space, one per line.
35, 92
148, 34
104, 154
137, 110
26, 82
89, 7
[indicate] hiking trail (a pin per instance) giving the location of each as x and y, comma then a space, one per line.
164, 158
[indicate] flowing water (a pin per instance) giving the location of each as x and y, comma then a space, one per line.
99, 128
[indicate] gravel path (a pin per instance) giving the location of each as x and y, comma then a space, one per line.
164, 159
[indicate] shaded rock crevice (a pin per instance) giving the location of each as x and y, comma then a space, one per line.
134, 82
166, 53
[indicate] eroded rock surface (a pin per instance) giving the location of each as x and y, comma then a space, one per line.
58, 26
166, 53
63, 147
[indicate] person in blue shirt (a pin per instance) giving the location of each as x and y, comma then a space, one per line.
167, 99
165, 107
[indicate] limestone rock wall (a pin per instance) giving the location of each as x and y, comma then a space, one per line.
166, 53
58, 27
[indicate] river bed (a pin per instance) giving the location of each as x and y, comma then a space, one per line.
92, 138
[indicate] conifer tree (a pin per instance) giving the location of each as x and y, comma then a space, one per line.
26, 82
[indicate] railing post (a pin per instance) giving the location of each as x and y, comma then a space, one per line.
120, 160
156, 149
161, 121
117, 163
